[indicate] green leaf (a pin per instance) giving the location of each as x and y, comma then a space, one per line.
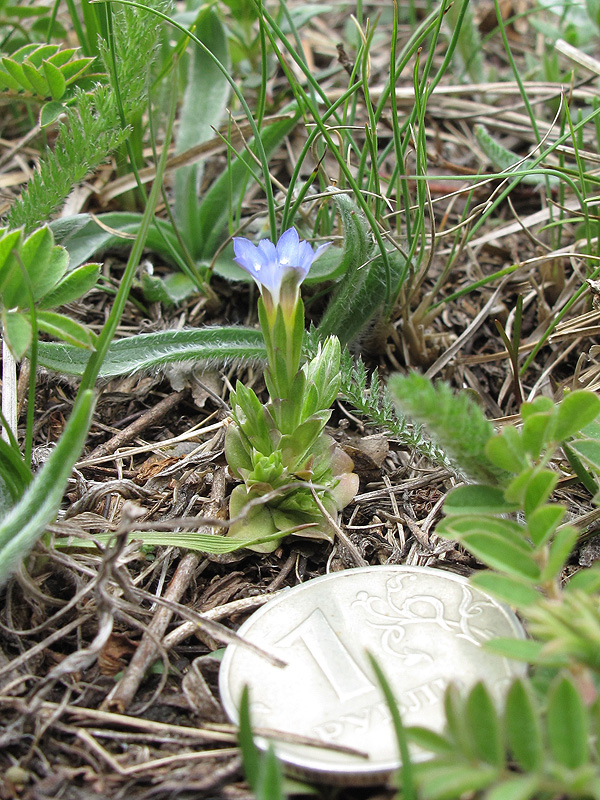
516, 489
484, 726
27, 520
588, 450
522, 726
50, 112
146, 351
250, 752
520, 787
17, 332
189, 540
65, 328
15, 475
56, 80
543, 522
9, 244
452, 781
171, 290
323, 374
45, 276
539, 489
429, 740
586, 580
506, 450
513, 591
39, 83
237, 451
567, 724
9, 82
456, 527
406, 777
269, 785
204, 102
36, 258
560, 550
538, 432
576, 410
499, 554
540, 405
456, 721
58, 57
477, 499
35, 57
16, 72
83, 237
71, 287
74, 68
524, 650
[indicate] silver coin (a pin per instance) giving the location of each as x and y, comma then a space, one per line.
425, 627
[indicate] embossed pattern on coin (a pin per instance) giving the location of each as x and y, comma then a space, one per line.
425, 627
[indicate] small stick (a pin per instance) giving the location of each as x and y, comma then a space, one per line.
148, 418
123, 693
346, 541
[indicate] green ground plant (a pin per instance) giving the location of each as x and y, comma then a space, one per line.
541, 743
542, 740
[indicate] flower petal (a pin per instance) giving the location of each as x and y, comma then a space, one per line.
273, 266
287, 248
248, 256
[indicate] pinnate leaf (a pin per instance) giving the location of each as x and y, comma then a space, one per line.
499, 554
484, 726
521, 787
560, 550
567, 725
522, 725
543, 522
539, 489
17, 332
71, 287
576, 410
478, 499
506, 450
514, 592
56, 80
66, 329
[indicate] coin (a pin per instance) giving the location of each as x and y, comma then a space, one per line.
425, 627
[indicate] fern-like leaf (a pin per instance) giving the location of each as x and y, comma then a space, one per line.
90, 132
454, 421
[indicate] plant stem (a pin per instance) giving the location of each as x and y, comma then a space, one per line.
9, 391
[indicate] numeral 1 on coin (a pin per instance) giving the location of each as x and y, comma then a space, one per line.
331, 656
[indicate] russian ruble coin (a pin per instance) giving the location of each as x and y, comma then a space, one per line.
324, 710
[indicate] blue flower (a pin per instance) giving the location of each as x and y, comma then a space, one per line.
273, 266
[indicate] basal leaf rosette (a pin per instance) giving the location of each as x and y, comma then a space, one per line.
293, 510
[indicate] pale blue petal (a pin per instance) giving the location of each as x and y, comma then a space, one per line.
268, 251
321, 249
287, 248
271, 264
305, 256
247, 256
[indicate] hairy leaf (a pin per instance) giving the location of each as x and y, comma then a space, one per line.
38, 506
150, 350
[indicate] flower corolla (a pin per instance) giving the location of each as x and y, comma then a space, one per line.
273, 267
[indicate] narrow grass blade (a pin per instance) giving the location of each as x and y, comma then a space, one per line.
26, 521
406, 778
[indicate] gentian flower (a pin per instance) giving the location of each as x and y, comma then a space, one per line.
277, 269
